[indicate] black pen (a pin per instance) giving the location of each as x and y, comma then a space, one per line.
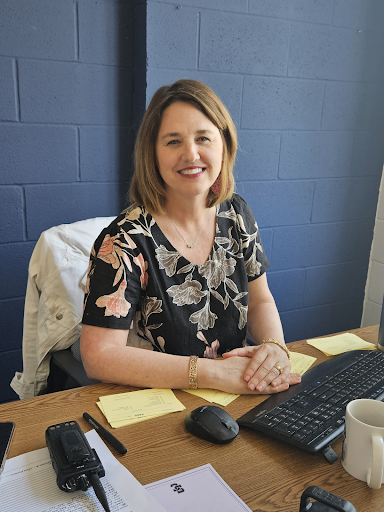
105, 434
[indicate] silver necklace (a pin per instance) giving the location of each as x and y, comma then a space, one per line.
192, 245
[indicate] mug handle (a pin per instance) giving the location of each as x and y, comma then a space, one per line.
375, 474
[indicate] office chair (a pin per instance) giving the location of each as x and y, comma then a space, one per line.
53, 309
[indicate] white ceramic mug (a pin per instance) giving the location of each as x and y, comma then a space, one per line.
363, 447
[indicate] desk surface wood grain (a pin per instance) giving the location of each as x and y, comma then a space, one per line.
268, 475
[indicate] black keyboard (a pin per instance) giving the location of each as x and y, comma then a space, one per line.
311, 415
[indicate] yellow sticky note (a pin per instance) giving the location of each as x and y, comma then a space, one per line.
300, 363
139, 404
213, 395
334, 345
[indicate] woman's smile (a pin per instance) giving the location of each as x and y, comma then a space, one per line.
192, 171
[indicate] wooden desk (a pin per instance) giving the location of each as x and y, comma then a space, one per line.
269, 476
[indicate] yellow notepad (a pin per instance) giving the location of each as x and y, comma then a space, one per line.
137, 405
334, 345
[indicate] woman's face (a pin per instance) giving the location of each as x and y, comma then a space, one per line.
189, 151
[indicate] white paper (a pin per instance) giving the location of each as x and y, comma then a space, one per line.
28, 483
201, 489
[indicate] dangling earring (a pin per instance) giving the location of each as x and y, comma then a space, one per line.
216, 185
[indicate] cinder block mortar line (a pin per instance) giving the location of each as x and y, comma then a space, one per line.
278, 163
8, 299
320, 305
15, 70
313, 201
333, 13
254, 15
77, 32
78, 149
322, 108
66, 61
282, 77
24, 208
198, 40
288, 49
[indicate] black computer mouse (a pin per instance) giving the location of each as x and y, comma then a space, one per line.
212, 424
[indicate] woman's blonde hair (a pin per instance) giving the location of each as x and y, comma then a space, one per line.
147, 187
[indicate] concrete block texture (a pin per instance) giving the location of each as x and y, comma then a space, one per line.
312, 11
287, 288
172, 36
368, 153
321, 244
11, 215
353, 106
257, 155
106, 32
312, 53
334, 283
316, 321
222, 5
8, 110
345, 199
14, 259
328, 154
9, 363
51, 205
38, 154
359, 14
73, 93
11, 323
106, 153
241, 43
277, 203
226, 86
315, 154
281, 103
43, 29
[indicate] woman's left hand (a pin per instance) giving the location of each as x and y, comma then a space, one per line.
263, 366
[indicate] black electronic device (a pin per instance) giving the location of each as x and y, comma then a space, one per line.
212, 424
311, 415
316, 499
76, 464
6, 433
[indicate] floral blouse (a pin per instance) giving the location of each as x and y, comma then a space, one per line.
137, 280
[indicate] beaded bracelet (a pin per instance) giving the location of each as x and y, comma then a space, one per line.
193, 372
281, 345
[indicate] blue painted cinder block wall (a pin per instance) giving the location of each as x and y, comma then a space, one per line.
69, 95
304, 82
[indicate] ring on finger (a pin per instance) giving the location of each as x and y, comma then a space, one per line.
278, 368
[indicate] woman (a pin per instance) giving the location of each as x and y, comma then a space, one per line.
183, 268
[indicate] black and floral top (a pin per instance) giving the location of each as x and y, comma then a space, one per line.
137, 280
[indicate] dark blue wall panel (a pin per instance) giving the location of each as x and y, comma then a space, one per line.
71, 72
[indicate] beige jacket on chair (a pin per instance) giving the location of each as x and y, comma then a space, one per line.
54, 298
